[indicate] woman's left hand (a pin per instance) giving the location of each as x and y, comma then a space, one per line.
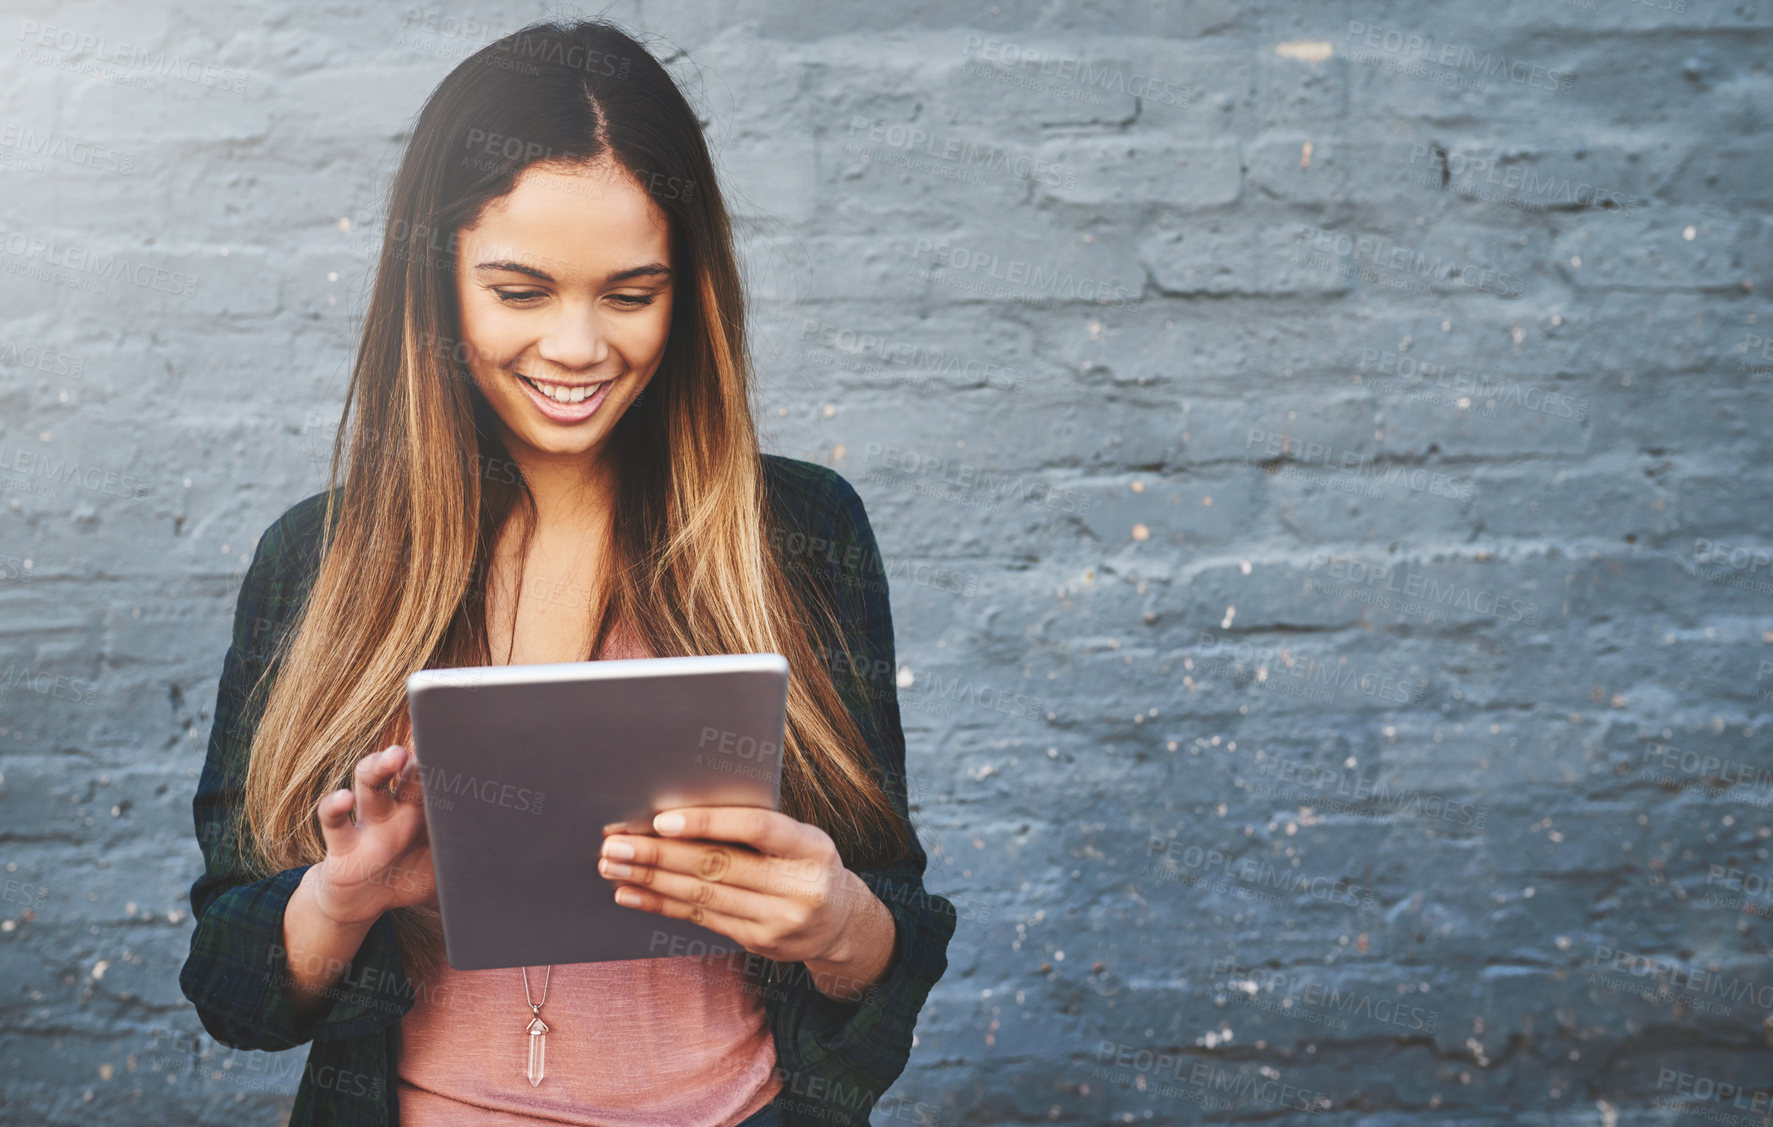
787, 897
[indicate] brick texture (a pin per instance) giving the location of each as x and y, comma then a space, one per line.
1320, 452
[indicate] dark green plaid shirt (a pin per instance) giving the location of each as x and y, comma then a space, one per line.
834, 1059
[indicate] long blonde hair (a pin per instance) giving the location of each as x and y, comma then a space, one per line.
428, 486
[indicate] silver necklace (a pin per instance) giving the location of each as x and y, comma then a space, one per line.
538, 1029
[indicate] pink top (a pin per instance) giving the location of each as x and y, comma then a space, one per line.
678, 1042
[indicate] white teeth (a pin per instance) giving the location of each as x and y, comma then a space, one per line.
566, 394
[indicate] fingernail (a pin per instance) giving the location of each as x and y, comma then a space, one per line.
627, 897
619, 850
616, 869
668, 823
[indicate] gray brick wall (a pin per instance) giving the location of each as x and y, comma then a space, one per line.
1320, 452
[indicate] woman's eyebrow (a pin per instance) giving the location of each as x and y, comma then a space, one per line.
650, 270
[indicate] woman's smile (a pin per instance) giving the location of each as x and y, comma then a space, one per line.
565, 402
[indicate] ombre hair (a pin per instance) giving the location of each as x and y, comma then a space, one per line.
427, 484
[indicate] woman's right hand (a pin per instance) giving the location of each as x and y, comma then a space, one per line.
384, 860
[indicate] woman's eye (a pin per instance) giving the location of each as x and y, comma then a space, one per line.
631, 301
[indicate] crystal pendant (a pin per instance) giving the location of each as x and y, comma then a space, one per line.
538, 1046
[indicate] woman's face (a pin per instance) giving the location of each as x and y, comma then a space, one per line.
564, 287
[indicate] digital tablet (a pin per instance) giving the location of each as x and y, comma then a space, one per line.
523, 765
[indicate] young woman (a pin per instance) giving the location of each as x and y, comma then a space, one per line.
551, 457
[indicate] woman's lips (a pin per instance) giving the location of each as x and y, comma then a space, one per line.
565, 412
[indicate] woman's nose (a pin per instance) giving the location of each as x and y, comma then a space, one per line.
575, 341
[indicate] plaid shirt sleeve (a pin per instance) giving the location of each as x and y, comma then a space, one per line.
237, 971
864, 1045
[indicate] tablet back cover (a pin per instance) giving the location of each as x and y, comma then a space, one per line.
520, 779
